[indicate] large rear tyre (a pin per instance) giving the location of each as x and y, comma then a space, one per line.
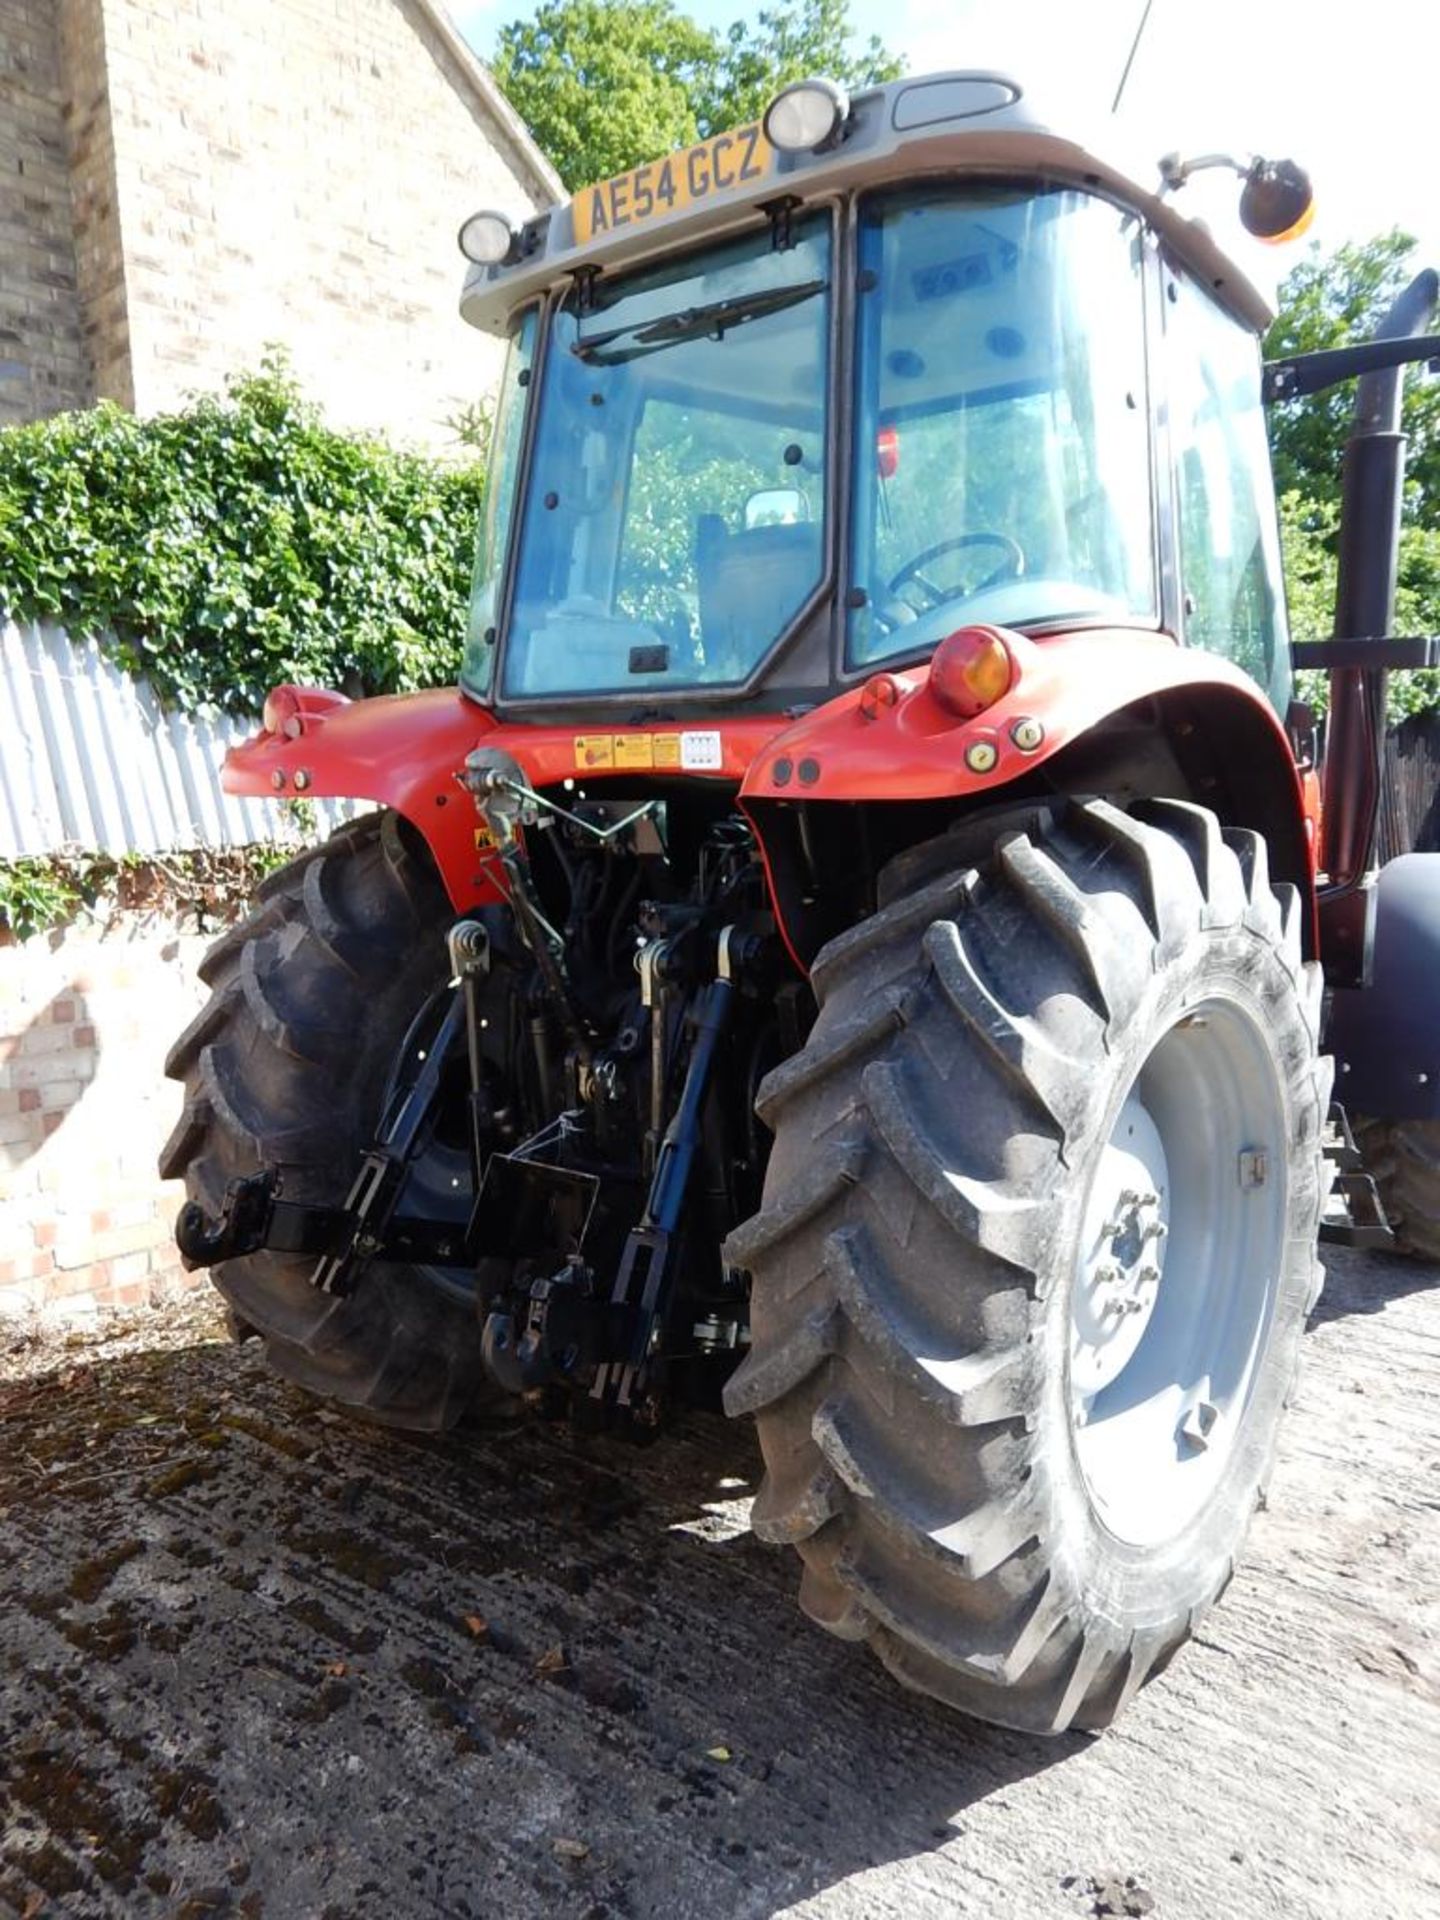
1035, 1254
287, 1066
1403, 1157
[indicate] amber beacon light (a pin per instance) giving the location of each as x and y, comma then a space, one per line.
971, 670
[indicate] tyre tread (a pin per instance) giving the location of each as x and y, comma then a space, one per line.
277, 1067
900, 1460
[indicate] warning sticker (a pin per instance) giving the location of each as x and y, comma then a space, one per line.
484, 839
594, 750
692, 752
700, 752
634, 750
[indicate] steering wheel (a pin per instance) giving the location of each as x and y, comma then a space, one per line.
914, 570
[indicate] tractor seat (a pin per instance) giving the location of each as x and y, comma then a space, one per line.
750, 586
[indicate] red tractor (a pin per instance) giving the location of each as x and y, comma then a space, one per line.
854, 943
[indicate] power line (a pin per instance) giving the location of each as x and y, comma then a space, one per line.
1130, 58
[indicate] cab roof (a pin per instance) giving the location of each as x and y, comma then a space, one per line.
970, 122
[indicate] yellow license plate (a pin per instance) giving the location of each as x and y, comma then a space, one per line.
735, 159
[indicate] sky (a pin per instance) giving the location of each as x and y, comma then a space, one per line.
1346, 90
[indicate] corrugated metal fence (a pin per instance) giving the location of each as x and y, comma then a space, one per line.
88, 759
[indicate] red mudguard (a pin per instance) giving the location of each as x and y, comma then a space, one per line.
888, 740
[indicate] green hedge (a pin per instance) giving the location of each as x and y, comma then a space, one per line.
239, 543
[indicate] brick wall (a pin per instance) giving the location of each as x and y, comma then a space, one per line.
94, 199
86, 1017
295, 171
43, 366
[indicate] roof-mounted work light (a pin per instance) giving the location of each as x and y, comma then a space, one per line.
804, 116
489, 239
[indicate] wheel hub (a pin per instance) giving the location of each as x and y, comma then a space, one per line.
1122, 1253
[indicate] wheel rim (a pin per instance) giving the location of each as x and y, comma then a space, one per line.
1179, 1266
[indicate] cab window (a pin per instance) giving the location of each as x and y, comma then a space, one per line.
1002, 455
1232, 600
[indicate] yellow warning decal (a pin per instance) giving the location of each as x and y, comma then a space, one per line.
594, 750
484, 839
634, 750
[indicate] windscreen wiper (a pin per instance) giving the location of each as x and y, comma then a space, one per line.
692, 323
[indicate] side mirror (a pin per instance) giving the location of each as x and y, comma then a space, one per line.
776, 507
1278, 202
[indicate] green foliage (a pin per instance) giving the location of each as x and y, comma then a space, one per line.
34, 895
239, 543
211, 885
1307, 531
1333, 301
603, 87
1329, 302
791, 42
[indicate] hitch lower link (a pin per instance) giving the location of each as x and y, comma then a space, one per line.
254, 1213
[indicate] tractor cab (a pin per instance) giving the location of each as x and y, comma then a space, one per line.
774, 417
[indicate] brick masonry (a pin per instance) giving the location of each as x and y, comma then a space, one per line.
43, 363
242, 173
86, 1017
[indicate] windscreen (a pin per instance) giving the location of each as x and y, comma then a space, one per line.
1002, 449
507, 435
674, 514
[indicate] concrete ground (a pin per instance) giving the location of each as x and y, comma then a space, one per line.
256, 1661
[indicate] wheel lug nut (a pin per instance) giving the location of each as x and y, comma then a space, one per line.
1199, 1424
1155, 1230
1149, 1275
1106, 1275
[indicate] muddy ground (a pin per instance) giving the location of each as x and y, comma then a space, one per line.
259, 1662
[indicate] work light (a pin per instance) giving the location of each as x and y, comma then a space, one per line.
489, 239
804, 116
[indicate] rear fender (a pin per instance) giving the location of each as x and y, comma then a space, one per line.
1386, 1036
1121, 713
400, 750
405, 751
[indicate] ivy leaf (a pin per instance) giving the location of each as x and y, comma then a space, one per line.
238, 543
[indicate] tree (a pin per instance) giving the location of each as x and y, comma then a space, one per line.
1335, 301
603, 87
788, 43
1331, 301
